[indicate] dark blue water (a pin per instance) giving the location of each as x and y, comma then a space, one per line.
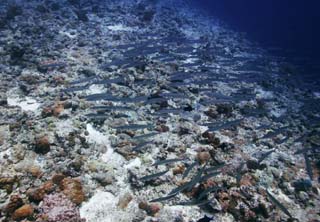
290, 24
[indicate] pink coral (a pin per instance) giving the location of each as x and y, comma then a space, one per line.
57, 207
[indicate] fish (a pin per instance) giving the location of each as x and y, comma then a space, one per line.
116, 108
278, 204
208, 176
274, 133
209, 190
75, 89
155, 100
214, 168
181, 188
134, 127
265, 155
53, 65
226, 125
161, 162
306, 150
100, 96
187, 171
121, 115
174, 95
194, 202
160, 199
97, 116
141, 145
136, 99
88, 79
197, 178
153, 176
169, 111
239, 173
109, 81
145, 136
308, 166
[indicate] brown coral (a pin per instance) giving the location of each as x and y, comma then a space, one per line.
72, 188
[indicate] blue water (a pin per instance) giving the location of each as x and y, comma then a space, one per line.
289, 24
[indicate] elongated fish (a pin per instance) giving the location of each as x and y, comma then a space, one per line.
214, 168
208, 176
194, 202
278, 204
207, 191
134, 127
265, 155
141, 145
145, 136
153, 176
306, 150
167, 161
275, 133
160, 199
181, 188
100, 96
239, 173
226, 125
186, 173
197, 178
75, 89
116, 108
79, 81
308, 166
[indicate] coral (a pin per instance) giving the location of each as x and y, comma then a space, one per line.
56, 208
39, 193
72, 188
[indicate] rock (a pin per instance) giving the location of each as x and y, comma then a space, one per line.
3, 99
14, 203
42, 145
7, 183
147, 16
124, 200
87, 72
179, 169
16, 52
35, 171
203, 157
225, 109
253, 165
162, 128
58, 109
57, 178
302, 185
303, 196
23, 212
211, 113
4, 134
211, 139
46, 112
104, 178
151, 209
81, 15
13, 11
72, 188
